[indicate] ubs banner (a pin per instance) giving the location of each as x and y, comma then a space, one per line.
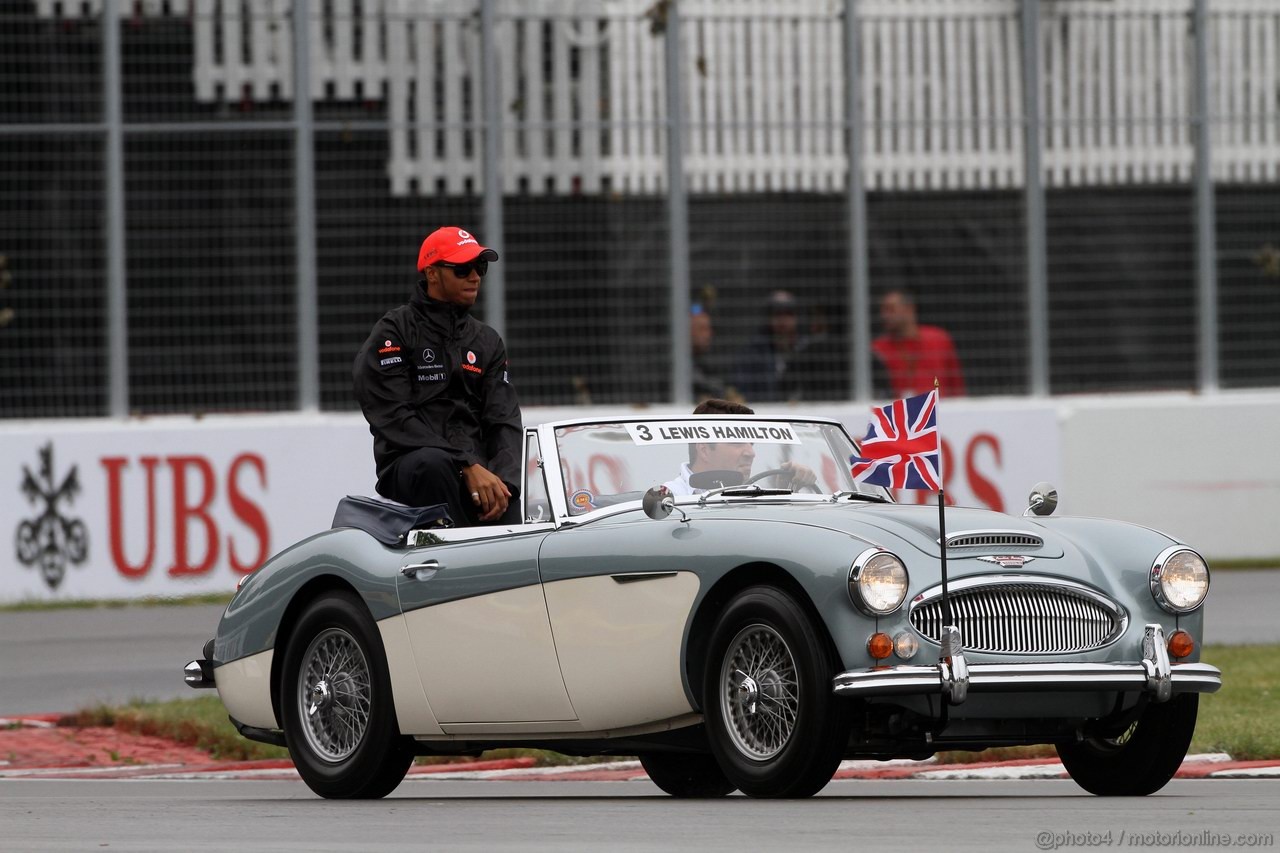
168, 507
110, 510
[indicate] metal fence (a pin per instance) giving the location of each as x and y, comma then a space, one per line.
1082, 193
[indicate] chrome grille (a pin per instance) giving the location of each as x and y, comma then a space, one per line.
1024, 618
994, 539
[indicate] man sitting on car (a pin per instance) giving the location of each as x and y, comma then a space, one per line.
434, 385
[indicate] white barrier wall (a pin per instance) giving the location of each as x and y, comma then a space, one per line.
1205, 469
173, 506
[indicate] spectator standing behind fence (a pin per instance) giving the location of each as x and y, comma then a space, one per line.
433, 384
761, 369
707, 381
914, 353
822, 361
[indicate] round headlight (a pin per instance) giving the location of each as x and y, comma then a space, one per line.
1179, 580
877, 582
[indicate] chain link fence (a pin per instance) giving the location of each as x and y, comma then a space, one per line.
1052, 217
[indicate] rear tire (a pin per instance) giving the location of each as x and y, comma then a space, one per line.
774, 725
688, 776
339, 718
1143, 759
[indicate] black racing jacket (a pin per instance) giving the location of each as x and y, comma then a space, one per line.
431, 375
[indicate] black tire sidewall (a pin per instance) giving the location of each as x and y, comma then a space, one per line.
365, 772
817, 741
687, 775
1143, 764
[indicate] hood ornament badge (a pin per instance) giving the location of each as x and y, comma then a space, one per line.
1008, 561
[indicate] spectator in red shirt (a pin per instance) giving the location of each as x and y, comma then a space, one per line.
914, 353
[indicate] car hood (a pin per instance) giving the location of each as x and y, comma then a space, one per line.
1096, 551
916, 526
989, 531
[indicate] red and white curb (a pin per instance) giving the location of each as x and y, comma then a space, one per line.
1205, 766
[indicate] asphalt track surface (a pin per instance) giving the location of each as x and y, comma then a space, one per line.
626, 816
66, 660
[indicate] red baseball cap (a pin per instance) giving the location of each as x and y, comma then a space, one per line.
452, 245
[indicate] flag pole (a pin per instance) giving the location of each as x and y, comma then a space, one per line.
953, 667
942, 534
942, 520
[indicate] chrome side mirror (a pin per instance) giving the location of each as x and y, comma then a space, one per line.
658, 503
1043, 499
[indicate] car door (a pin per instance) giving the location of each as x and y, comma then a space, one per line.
478, 626
619, 596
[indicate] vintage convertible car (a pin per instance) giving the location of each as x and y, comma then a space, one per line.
745, 636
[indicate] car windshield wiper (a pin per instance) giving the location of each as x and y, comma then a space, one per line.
858, 496
751, 490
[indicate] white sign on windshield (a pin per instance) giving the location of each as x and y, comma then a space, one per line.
682, 432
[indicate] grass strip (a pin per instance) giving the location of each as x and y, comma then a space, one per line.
222, 598
202, 722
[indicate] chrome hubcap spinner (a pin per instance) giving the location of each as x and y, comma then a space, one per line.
334, 695
759, 692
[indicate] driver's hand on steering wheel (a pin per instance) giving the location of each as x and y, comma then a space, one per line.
801, 475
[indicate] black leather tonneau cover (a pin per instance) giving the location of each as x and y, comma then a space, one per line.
388, 521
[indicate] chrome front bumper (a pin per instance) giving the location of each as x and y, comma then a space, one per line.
199, 673
954, 677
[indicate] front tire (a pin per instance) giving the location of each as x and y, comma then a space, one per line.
688, 776
775, 727
339, 719
1143, 759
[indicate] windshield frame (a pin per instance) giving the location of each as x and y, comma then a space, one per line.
555, 474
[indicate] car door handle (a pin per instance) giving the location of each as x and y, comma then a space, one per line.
636, 577
422, 571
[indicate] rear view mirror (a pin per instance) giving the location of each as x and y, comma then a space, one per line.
658, 503
1043, 499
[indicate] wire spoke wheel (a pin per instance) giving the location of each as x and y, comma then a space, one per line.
759, 692
334, 694
339, 716
1121, 739
773, 724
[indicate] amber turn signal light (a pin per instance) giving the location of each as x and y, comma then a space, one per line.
1181, 644
879, 645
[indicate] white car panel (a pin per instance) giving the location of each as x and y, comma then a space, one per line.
413, 711
489, 659
244, 686
619, 646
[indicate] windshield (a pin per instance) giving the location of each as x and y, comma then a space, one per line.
610, 463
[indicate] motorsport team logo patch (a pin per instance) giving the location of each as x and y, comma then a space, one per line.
50, 540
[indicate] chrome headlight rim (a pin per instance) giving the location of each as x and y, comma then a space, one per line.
855, 582
1157, 580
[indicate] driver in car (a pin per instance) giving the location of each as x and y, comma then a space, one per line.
729, 455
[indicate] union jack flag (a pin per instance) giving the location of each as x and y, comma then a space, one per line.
901, 447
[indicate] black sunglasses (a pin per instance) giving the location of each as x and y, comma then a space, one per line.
464, 270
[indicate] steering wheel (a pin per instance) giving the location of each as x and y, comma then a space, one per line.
774, 472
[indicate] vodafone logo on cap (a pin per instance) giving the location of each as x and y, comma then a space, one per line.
464, 237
